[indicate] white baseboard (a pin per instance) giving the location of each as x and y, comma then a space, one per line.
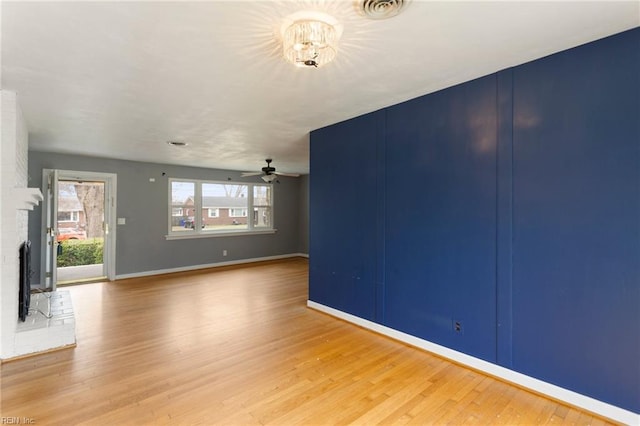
206, 266
556, 392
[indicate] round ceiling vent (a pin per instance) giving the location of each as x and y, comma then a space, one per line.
381, 9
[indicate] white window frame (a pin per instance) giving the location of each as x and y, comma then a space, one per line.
216, 212
179, 211
199, 231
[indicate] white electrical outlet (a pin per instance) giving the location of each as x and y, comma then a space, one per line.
224, 252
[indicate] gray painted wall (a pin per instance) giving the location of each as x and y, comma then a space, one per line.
141, 245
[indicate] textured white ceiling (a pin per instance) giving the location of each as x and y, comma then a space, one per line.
119, 79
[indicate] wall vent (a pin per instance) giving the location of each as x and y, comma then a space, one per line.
381, 9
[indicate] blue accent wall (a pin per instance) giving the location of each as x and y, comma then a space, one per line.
510, 205
576, 213
441, 217
344, 215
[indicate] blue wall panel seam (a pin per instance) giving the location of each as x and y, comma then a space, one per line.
497, 251
511, 216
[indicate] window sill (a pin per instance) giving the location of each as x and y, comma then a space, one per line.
219, 234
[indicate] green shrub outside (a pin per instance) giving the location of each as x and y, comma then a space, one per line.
80, 252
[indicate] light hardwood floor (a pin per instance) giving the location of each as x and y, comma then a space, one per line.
238, 346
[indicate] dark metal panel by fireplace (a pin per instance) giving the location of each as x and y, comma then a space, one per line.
24, 297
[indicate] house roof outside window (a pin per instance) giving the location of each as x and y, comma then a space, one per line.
223, 202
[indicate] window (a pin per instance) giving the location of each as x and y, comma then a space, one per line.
237, 212
199, 207
72, 216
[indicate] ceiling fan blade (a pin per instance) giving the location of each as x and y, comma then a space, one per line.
286, 174
245, 174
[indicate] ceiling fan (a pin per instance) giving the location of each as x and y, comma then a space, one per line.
269, 174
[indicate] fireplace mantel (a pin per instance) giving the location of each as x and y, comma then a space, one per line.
27, 198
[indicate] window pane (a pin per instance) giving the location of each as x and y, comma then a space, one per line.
229, 201
262, 217
262, 195
182, 193
182, 206
262, 206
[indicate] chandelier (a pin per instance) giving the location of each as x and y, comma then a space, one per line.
309, 39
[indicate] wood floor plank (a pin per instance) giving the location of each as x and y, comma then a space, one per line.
238, 346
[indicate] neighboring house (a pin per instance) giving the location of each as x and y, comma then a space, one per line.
70, 211
216, 211
224, 211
